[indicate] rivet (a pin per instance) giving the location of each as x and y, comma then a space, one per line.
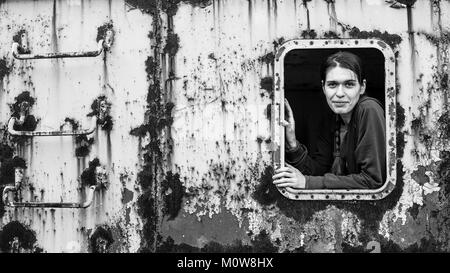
311, 43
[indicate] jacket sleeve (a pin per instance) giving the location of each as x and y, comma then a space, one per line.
370, 155
318, 163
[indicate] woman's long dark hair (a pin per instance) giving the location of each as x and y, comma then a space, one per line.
352, 62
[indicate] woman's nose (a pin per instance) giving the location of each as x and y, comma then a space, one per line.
340, 91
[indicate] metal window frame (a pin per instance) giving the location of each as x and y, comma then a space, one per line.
278, 137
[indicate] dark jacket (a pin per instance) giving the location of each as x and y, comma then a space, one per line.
363, 152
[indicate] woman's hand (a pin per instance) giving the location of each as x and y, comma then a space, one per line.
289, 178
289, 124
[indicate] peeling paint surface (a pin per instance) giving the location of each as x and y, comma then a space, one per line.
66, 88
187, 148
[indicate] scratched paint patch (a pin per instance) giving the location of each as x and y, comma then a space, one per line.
350, 229
412, 194
232, 185
405, 225
320, 233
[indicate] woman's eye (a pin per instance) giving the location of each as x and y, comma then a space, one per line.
332, 85
349, 84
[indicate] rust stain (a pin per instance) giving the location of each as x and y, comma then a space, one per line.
391, 39
16, 237
101, 240
4, 69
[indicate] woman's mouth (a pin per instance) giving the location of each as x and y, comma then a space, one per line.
339, 103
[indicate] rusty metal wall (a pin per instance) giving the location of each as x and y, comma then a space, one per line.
189, 155
66, 88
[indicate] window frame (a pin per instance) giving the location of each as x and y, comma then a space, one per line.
278, 137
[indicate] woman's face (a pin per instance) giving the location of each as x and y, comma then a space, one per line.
342, 89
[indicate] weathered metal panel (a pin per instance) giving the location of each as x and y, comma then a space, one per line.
65, 88
189, 157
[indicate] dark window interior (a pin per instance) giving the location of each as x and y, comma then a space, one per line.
303, 89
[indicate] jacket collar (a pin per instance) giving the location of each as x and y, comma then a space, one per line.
352, 123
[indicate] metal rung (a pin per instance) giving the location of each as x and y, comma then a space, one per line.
83, 205
51, 133
17, 55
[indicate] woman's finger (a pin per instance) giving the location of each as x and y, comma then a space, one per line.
285, 123
286, 184
281, 175
283, 169
288, 107
282, 180
292, 168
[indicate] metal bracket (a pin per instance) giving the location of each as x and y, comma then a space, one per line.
13, 132
19, 173
102, 44
83, 205
109, 38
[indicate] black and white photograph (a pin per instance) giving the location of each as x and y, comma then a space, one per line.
264, 128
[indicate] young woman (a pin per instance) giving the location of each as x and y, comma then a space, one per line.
354, 155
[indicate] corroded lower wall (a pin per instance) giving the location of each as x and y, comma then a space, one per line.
189, 155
